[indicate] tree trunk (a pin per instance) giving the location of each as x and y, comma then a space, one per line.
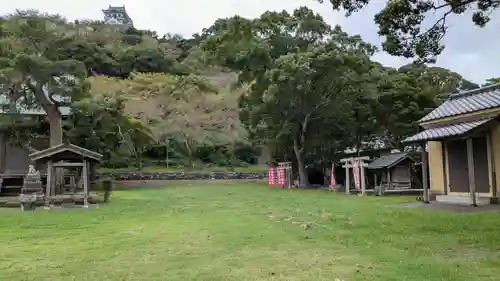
299, 143
301, 165
56, 138
137, 158
358, 146
266, 155
56, 131
190, 153
55, 122
53, 114
166, 154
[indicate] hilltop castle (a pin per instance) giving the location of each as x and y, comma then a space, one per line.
117, 16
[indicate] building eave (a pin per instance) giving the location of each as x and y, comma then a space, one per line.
448, 131
466, 102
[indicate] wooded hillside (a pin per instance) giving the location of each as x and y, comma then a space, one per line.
286, 82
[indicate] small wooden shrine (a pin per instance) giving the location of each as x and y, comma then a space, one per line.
62, 184
392, 173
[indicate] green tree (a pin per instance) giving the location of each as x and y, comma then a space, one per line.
101, 122
400, 103
30, 73
45, 63
189, 109
401, 22
149, 56
250, 46
302, 74
112, 52
153, 108
437, 82
309, 87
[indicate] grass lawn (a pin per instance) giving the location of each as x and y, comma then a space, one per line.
248, 231
163, 169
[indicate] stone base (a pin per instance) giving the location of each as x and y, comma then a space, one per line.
73, 206
462, 200
434, 195
31, 190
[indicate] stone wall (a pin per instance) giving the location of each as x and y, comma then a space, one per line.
123, 176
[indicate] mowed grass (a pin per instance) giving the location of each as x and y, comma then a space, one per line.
248, 231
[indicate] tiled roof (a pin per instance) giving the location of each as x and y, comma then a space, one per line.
115, 8
388, 161
47, 153
466, 102
447, 131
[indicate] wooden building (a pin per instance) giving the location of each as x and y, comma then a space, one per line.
461, 148
392, 173
67, 156
376, 149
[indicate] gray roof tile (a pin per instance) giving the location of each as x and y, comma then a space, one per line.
387, 161
467, 102
447, 131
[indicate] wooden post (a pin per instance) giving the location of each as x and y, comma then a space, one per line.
347, 180
425, 173
48, 187
493, 168
389, 179
470, 165
362, 175
444, 158
289, 175
375, 182
85, 176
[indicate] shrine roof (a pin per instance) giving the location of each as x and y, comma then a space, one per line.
449, 131
388, 161
49, 152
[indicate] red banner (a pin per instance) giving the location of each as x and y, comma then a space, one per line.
332, 177
271, 176
356, 171
281, 176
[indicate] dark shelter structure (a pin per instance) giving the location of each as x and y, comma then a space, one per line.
393, 173
67, 156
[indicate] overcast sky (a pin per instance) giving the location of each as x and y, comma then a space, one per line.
471, 51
